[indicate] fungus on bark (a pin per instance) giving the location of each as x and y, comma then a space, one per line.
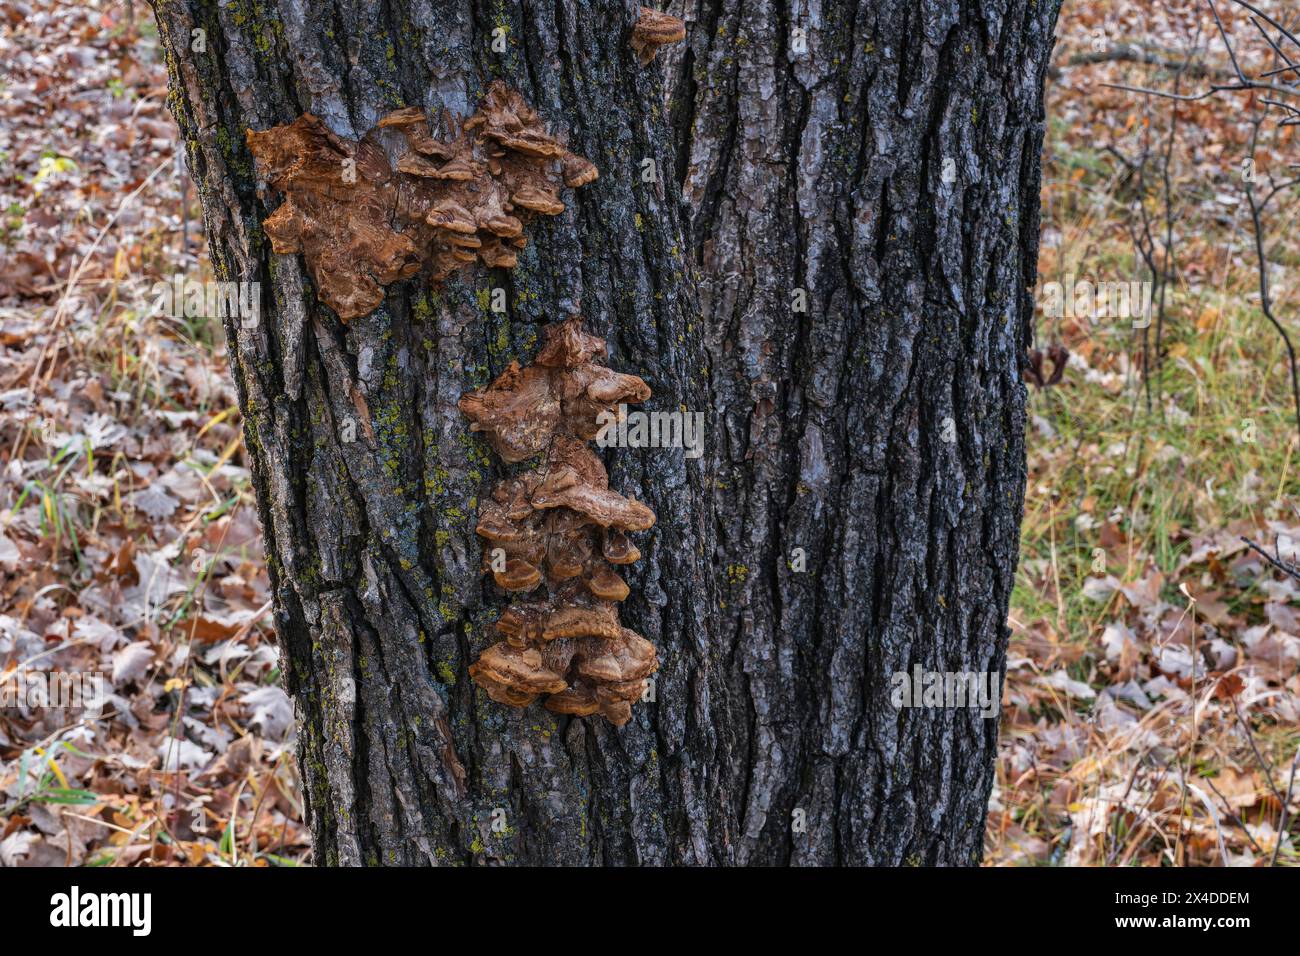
563, 392
560, 524
654, 29
362, 223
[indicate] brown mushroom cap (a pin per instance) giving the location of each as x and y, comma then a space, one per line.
626, 658
502, 693
584, 699
538, 200
518, 576
608, 585
607, 387
619, 549
490, 215
498, 256
606, 508
617, 712
652, 30
495, 526
578, 171
518, 668
452, 216
599, 621
563, 563
579, 700
520, 624
574, 478
459, 169
413, 164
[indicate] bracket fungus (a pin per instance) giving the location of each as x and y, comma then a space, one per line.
363, 219
560, 528
653, 30
564, 391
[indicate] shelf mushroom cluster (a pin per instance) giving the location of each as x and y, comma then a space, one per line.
559, 527
367, 213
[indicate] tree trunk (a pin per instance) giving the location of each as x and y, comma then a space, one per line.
771, 737
881, 432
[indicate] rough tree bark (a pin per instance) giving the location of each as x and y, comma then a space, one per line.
821, 171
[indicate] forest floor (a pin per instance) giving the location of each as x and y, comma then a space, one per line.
1152, 692
1153, 683
129, 540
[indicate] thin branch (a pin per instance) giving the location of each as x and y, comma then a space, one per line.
1286, 568
1266, 302
1286, 805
